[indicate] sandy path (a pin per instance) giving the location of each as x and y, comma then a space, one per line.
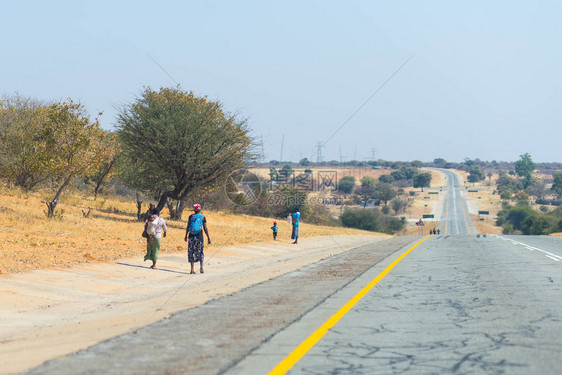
49, 313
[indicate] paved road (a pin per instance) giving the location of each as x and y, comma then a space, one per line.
457, 303
213, 337
456, 218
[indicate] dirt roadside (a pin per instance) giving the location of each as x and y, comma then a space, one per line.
50, 313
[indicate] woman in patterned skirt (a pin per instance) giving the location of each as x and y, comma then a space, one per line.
196, 224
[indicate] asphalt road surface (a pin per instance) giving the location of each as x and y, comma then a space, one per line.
456, 218
457, 303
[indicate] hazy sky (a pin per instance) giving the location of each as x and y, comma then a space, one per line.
485, 81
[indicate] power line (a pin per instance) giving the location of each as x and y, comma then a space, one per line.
164, 70
369, 99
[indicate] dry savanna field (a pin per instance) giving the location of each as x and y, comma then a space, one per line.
28, 240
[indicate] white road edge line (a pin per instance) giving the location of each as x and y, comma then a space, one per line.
555, 257
455, 210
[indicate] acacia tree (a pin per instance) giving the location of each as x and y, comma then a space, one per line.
475, 174
524, 167
384, 192
174, 142
108, 168
537, 188
77, 146
368, 181
557, 185
367, 189
365, 193
422, 180
398, 205
25, 159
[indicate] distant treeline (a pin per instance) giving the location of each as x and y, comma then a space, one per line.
465, 165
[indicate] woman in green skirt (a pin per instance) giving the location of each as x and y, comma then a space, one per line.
155, 228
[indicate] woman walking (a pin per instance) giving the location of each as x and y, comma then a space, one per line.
295, 221
155, 228
196, 224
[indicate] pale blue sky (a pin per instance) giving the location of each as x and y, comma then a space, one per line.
485, 80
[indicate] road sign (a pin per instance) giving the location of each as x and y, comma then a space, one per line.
428, 216
433, 192
483, 212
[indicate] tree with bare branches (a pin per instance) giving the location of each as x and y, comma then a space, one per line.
78, 146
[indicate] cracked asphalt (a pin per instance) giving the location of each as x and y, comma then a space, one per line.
457, 304
213, 337
454, 305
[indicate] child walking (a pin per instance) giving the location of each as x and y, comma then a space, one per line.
274, 228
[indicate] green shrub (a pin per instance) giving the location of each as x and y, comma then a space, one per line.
523, 219
371, 220
346, 184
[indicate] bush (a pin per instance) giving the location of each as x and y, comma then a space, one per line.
523, 219
505, 195
371, 220
386, 178
509, 185
507, 229
346, 184
319, 214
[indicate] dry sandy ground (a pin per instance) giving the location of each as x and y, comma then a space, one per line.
50, 313
425, 203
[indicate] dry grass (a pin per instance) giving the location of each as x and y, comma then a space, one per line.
485, 198
423, 203
28, 240
486, 226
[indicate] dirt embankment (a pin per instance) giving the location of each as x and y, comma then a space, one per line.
49, 313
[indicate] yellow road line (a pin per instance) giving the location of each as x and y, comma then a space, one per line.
446, 212
299, 352
464, 215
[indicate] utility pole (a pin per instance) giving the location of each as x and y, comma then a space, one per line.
373, 154
341, 157
262, 150
319, 153
355, 153
282, 142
